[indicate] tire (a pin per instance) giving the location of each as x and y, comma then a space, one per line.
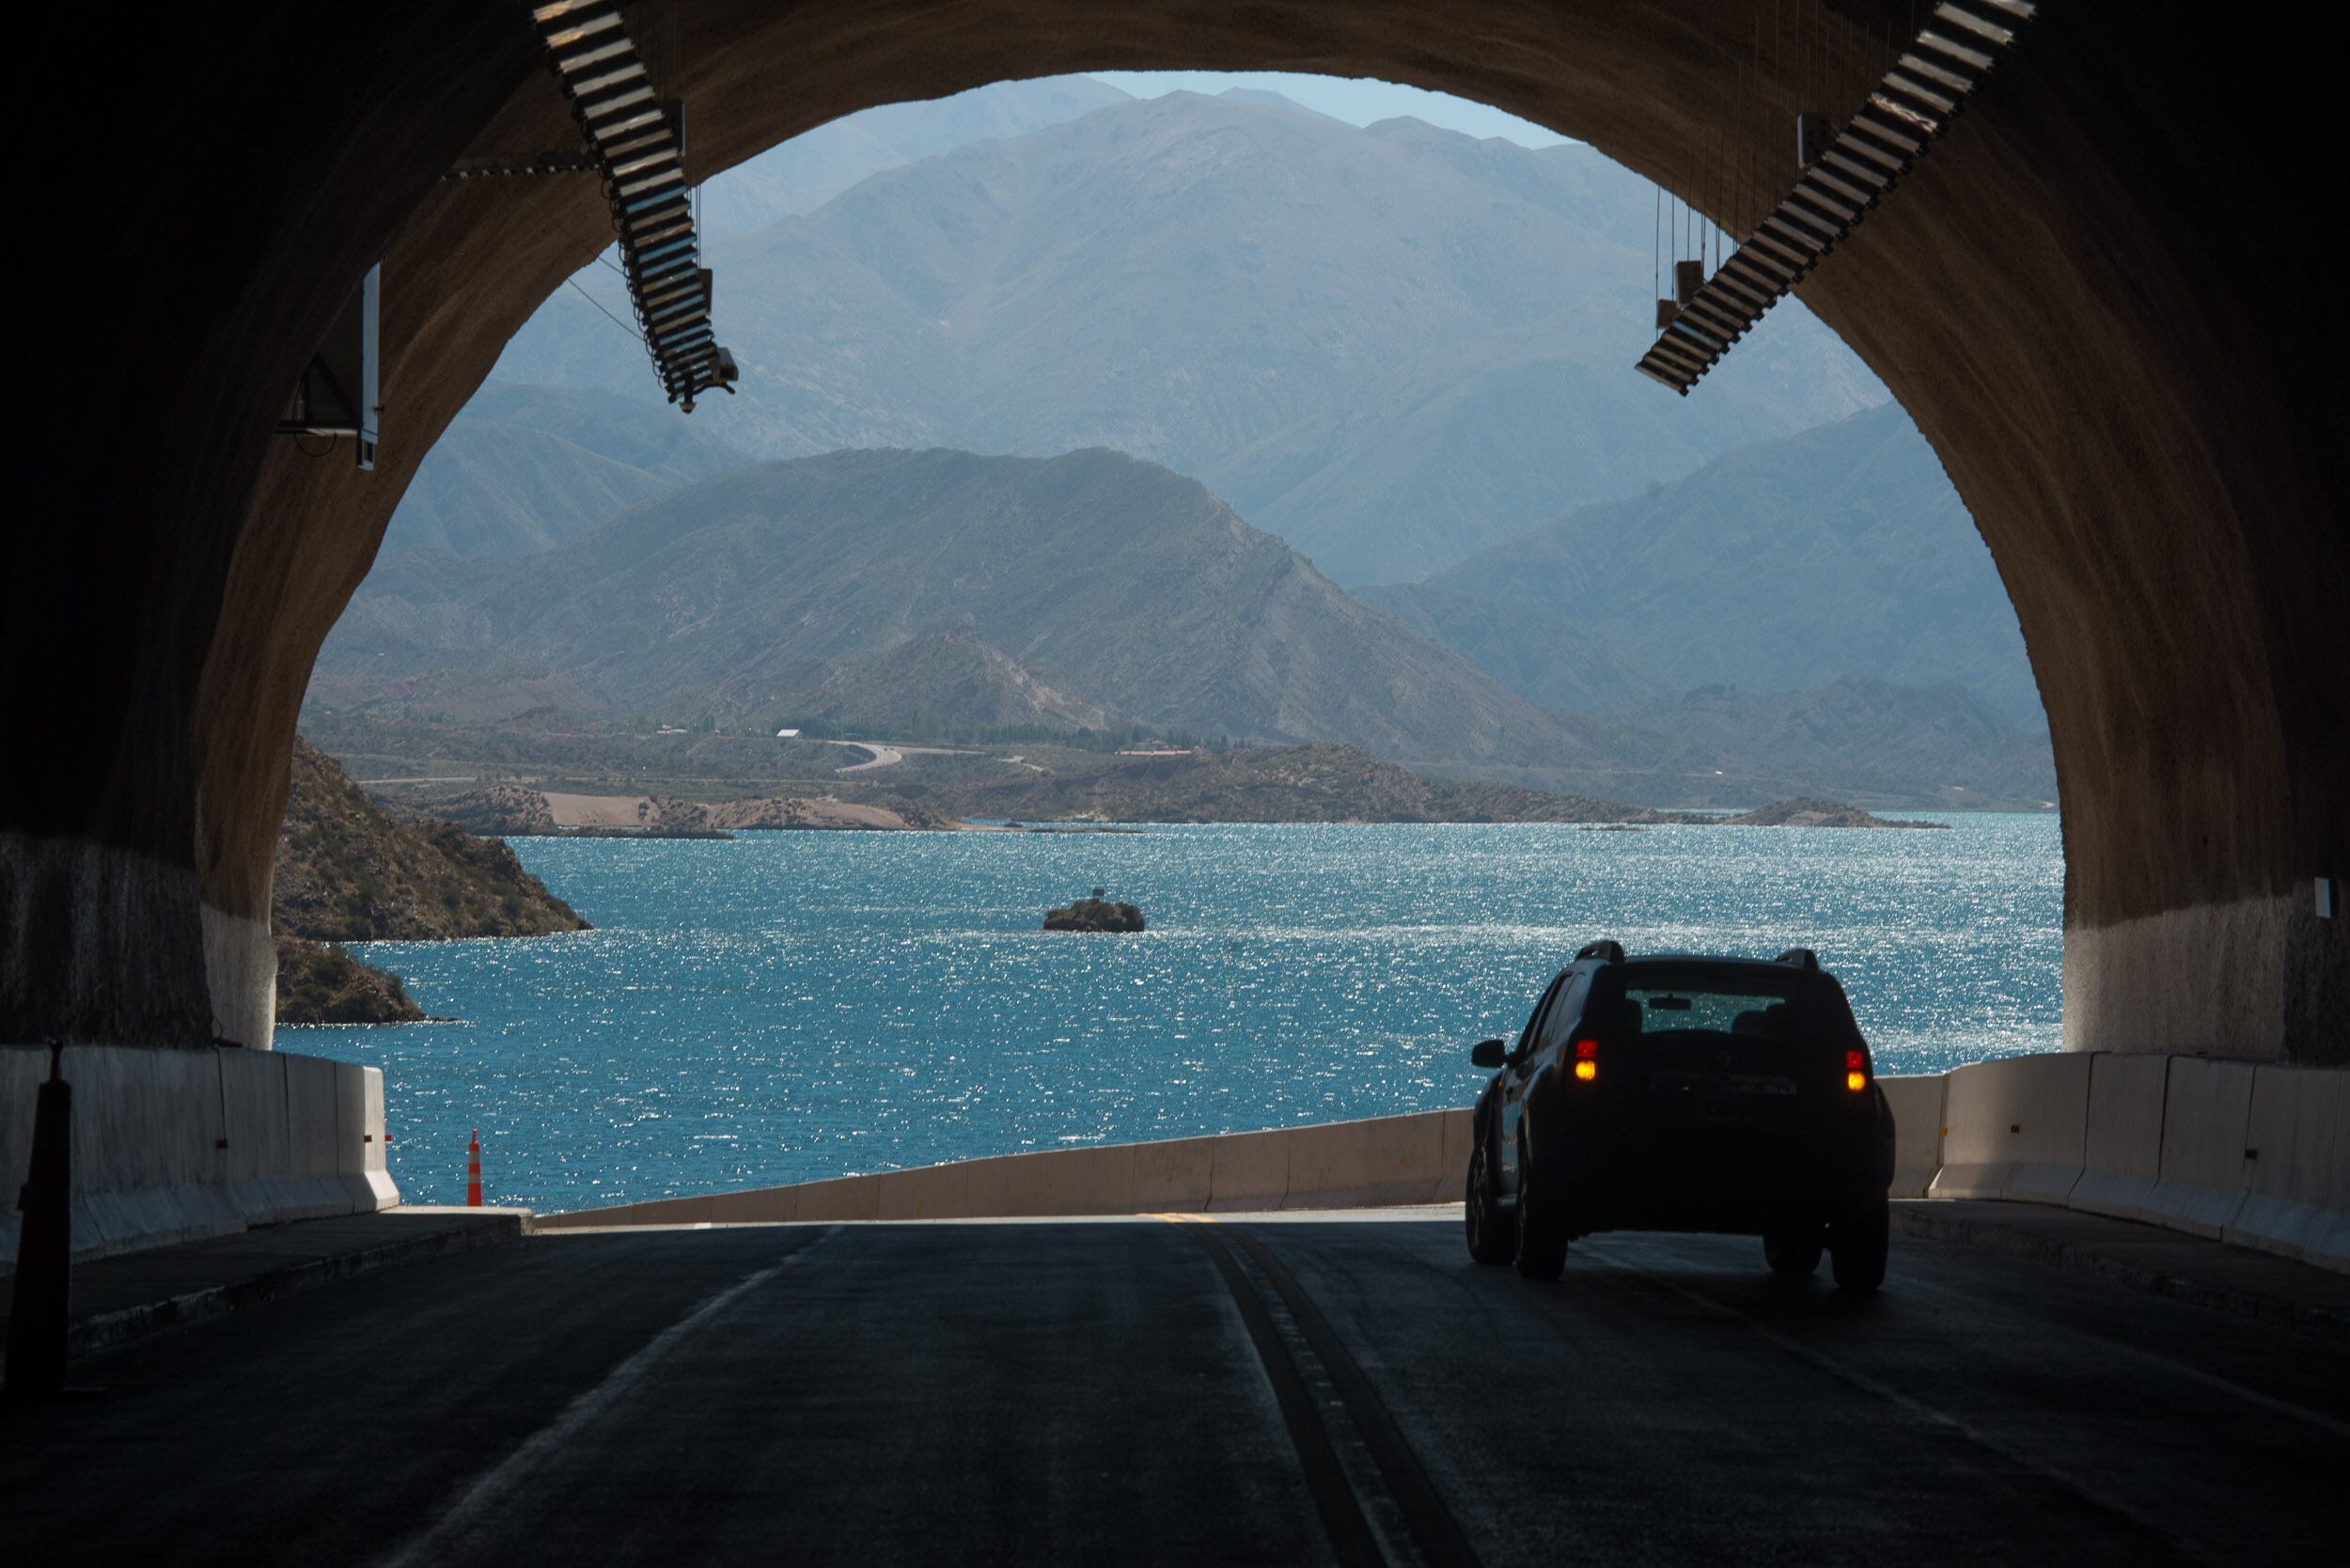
1493, 1232
1857, 1246
1795, 1249
1542, 1240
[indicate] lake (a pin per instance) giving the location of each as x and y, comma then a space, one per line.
786, 1005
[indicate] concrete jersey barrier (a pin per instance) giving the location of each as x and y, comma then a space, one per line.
2257, 1155
172, 1145
1413, 1158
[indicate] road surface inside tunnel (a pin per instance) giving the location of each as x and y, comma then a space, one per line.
1304, 1388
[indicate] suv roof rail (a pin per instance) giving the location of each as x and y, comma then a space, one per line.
1605, 950
1801, 958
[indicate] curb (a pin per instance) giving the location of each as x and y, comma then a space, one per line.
103, 1330
1913, 1219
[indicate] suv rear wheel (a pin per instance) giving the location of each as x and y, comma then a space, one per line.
1857, 1246
1542, 1242
1795, 1248
1492, 1236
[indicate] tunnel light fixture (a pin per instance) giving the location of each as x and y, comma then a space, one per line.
637, 140
1844, 176
335, 396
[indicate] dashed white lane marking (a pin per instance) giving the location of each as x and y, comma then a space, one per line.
2014, 1454
490, 1489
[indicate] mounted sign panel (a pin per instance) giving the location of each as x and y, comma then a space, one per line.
335, 396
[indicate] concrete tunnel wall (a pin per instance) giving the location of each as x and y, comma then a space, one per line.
2084, 296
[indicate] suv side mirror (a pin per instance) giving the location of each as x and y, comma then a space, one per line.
1488, 1053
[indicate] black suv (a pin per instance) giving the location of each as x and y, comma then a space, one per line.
1677, 1092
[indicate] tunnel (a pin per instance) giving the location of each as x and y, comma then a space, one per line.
2088, 299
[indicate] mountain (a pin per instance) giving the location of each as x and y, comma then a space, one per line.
804, 173
949, 679
1061, 587
1316, 783
524, 468
1390, 346
1837, 555
1867, 738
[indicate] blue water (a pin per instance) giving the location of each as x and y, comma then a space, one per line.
786, 1006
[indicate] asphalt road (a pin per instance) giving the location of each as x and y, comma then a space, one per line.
1274, 1391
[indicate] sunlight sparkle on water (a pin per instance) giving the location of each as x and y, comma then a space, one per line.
794, 1005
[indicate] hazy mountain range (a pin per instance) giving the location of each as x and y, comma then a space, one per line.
891, 588
1403, 352
1391, 346
1092, 584
1841, 552
804, 173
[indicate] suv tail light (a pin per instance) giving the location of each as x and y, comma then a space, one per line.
1586, 1060
1856, 1071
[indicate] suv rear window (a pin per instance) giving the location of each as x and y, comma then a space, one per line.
1749, 1002
1680, 1010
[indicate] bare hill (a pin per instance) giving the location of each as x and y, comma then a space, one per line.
1099, 582
348, 871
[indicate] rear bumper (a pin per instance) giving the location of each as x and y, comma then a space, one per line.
1740, 1181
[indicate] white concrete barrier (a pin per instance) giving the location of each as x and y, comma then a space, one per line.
1414, 1158
2206, 1113
2258, 1155
2122, 1152
171, 1145
1250, 1171
2297, 1156
1387, 1160
1173, 1176
2018, 1128
1916, 1100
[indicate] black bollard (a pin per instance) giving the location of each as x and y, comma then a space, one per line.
44, 1247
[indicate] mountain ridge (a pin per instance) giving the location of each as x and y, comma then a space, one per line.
1389, 347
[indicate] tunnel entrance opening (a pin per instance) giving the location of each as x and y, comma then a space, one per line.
2079, 340
437, 1082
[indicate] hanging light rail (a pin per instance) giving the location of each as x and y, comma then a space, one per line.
637, 142
1910, 108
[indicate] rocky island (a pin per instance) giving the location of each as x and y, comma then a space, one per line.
1811, 811
1093, 913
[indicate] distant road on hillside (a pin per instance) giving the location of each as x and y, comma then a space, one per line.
891, 755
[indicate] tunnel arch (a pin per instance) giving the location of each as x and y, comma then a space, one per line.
2072, 298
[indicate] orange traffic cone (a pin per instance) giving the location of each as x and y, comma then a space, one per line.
473, 1172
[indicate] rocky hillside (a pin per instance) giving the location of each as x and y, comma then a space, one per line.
1087, 584
320, 984
1812, 811
1285, 784
349, 873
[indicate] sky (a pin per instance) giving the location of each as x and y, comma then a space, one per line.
1356, 101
